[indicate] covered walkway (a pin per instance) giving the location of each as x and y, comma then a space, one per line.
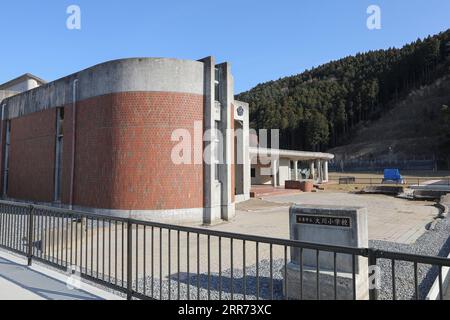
276, 166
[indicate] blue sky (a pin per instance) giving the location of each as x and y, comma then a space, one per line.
264, 40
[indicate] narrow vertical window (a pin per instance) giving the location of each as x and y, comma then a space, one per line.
217, 85
217, 151
6, 158
58, 153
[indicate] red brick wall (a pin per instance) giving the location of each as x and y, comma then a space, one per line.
32, 154
123, 152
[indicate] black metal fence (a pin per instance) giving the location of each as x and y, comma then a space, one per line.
357, 165
148, 260
437, 181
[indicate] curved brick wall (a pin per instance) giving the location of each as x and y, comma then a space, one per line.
123, 152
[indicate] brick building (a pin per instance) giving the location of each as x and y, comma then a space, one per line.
102, 140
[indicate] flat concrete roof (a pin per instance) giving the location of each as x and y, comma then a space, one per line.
291, 154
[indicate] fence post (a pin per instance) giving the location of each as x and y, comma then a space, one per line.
30, 235
373, 290
129, 260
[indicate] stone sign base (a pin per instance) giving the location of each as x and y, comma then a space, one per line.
326, 284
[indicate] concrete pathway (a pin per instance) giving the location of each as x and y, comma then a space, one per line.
20, 282
390, 219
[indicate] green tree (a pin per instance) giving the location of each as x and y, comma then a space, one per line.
317, 130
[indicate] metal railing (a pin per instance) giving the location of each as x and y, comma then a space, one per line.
149, 260
440, 181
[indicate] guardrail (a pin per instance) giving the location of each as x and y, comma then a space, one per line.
149, 260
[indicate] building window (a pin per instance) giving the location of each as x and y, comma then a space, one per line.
217, 85
6, 158
217, 150
58, 153
253, 172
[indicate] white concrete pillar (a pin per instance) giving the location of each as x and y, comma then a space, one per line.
295, 170
212, 188
319, 171
274, 173
247, 160
325, 171
311, 168
227, 114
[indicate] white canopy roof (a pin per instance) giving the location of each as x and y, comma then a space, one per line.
290, 154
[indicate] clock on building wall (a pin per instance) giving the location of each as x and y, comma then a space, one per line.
240, 111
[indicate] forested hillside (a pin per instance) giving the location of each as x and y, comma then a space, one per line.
321, 108
416, 128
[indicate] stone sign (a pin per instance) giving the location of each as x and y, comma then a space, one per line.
332, 225
324, 220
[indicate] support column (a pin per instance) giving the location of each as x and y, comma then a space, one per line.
226, 98
311, 168
296, 170
325, 171
211, 187
319, 171
246, 156
274, 173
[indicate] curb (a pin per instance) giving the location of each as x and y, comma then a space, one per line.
434, 291
444, 204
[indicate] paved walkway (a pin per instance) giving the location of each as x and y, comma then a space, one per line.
390, 219
20, 282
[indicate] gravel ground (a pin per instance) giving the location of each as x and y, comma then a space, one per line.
224, 282
432, 243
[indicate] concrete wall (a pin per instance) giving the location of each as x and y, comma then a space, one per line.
284, 171
6, 94
243, 174
127, 75
261, 179
25, 85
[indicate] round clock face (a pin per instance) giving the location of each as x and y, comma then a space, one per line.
240, 111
